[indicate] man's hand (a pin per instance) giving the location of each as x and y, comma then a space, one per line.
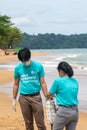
14, 104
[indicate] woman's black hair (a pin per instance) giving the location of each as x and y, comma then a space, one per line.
64, 66
24, 54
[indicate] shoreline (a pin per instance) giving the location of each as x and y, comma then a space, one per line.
9, 58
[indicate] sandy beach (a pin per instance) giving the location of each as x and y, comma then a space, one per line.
10, 120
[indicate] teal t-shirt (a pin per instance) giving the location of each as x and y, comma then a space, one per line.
29, 77
66, 91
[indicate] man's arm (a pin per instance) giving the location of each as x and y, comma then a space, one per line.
15, 88
15, 92
44, 86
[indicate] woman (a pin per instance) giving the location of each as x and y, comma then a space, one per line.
66, 90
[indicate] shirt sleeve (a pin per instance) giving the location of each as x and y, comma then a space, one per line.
16, 74
54, 87
42, 73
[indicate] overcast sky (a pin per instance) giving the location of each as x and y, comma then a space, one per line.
47, 16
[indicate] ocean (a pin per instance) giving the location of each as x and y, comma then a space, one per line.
76, 57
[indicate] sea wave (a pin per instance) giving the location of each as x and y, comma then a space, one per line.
48, 64
67, 56
8, 67
54, 64
75, 57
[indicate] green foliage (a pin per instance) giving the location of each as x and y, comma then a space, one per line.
52, 41
9, 35
17, 49
14, 37
5, 23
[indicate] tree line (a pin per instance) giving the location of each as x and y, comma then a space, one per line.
53, 41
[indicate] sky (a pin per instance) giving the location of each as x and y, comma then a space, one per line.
47, 16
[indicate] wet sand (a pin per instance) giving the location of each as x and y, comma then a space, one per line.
10, 120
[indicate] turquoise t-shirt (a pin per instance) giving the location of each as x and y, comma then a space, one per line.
66, 91
29, 77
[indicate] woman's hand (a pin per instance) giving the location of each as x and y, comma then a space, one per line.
49, 95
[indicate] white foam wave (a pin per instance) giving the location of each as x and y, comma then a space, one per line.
49, 65
54, 64
9, 67
60, 58
73, 55
80, 67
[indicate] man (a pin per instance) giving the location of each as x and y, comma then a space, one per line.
28, 80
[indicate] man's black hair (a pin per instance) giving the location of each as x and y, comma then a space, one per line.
64, 66
24, 54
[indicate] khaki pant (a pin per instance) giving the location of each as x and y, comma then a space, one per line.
31, 106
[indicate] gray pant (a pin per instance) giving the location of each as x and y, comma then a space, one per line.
32, 107
66, 117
